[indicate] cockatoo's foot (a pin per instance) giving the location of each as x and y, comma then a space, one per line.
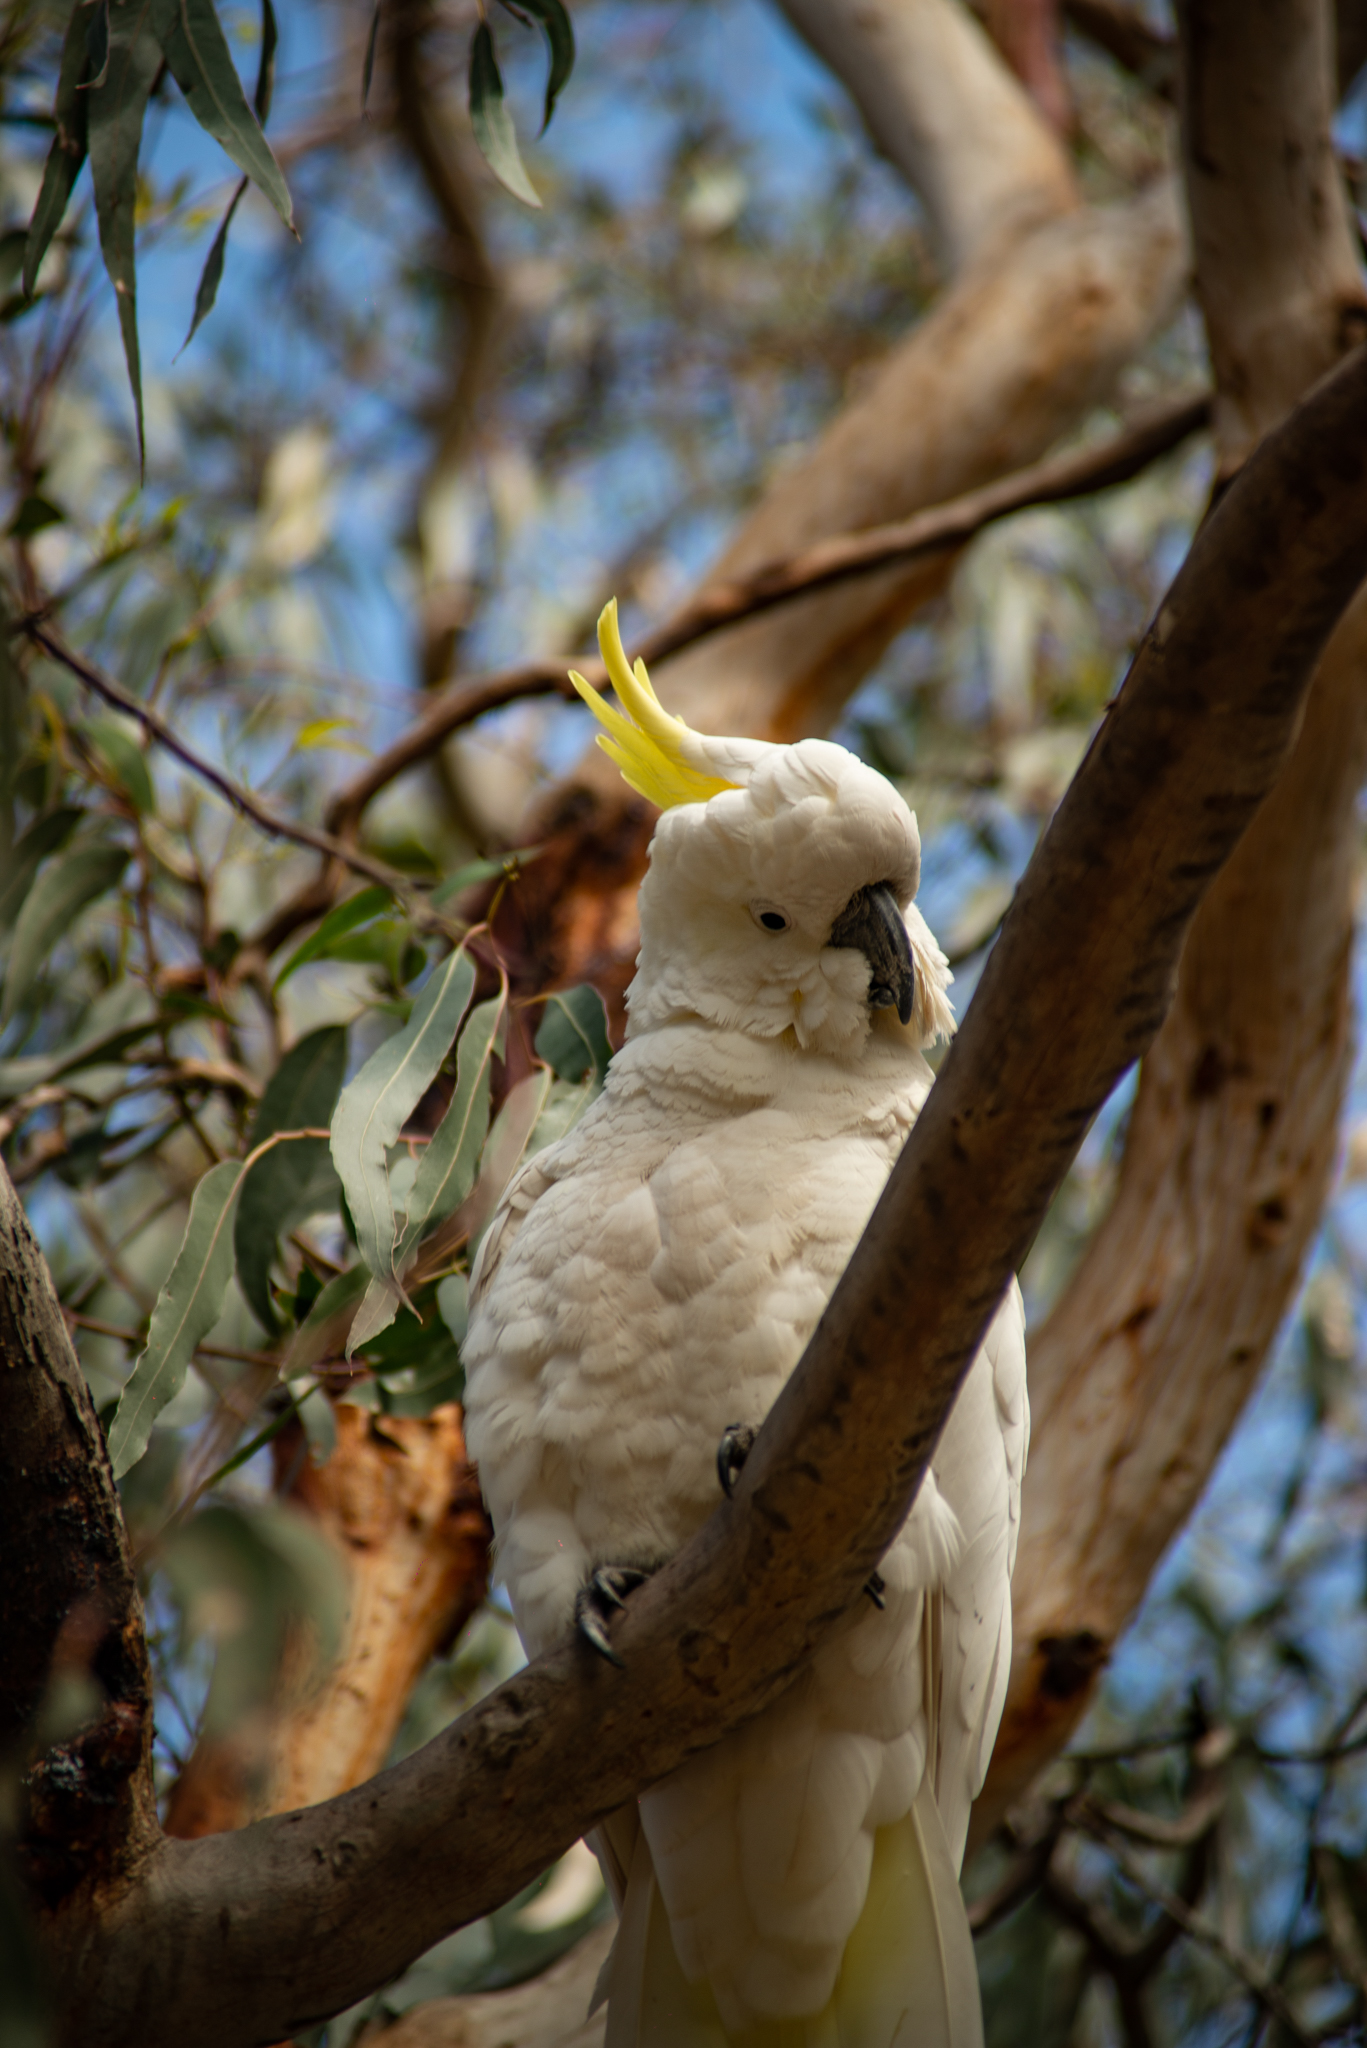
737, 1442
604, 1596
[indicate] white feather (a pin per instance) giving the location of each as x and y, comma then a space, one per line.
655, 1277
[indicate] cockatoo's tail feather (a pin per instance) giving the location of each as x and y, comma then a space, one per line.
659, 756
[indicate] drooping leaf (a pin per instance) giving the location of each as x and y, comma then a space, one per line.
43, 837
265, 64
211, 276
447, 1171
368, 67
248, 1577
125, 760
35, 514
323, 1332
453, 1304
357, 910
202, 64
115, 111
60, 892
11, 714
573, 1038
291, 1181
375, 1106
97, 45
481, 871
558, 30
67, 154
491, 121
186, 1310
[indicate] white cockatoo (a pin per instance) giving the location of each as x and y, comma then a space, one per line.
641, 1296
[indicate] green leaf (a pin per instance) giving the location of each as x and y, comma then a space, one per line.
357, 910
114, 740
509, 864
198, 54
211, 276
114, 117
573, 1039
323, 1333
265, 64
447, 1170
295, 1180
60, 892
248, 1578
43, 837
558, 30
491, 121
375, 1107
67, 153
35, 515
11, 723
186, 1310
97, 45
368, 67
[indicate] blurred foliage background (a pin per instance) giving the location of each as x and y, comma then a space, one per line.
431, 436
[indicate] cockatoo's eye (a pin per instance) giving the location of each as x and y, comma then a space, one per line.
769, 917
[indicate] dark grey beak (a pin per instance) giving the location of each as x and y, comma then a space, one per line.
872, 922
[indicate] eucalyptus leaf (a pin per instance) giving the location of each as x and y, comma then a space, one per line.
211, 277
67, 154
202, 65
357, 910
447, 1171
323, 1333
558, 30
114, 116
376, 1105
491, 121
573, 1038
43, 837
265, 64
368, 67
63, 889
117, 746
292, 1180
464, 878
186, 1310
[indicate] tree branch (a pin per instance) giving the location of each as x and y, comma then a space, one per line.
1056, 480
1141, 1370
249, 1936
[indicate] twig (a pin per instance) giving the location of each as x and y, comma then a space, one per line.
1194, 1925
241, 799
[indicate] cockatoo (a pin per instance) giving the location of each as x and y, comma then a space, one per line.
641, 1296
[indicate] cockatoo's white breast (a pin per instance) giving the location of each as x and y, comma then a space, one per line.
655, 1277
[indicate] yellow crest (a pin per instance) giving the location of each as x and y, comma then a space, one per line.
649, 746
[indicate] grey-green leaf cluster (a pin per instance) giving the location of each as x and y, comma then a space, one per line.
489, 114
111, 59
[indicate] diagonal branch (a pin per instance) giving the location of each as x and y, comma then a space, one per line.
249, 1936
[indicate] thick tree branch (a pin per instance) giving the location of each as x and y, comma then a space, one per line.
70, 1617
1138, 1376
245, 1937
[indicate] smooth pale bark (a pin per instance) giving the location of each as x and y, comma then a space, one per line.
1140, 1374
246, 1937
1277, 270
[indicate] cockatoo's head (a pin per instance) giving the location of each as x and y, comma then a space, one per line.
780, 885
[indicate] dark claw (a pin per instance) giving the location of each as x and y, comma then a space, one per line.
596, 1603
875, 1585
737, 1442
